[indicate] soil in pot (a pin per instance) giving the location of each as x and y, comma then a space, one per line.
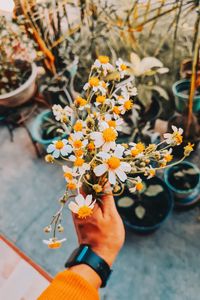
13, 76
145, 212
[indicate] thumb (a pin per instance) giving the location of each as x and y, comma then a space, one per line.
108, 202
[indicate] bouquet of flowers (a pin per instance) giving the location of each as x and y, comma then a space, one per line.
91, 156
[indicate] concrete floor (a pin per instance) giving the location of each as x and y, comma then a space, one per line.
162, 266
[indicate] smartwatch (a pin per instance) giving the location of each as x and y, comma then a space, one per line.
85, 255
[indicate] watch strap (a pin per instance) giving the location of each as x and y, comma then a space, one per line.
85, 255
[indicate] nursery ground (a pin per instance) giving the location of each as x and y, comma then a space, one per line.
161, 266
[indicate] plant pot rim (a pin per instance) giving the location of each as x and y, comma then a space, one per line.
24, 86
143, 229
180, 94
174, 189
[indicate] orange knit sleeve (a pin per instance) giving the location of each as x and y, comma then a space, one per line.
69, 286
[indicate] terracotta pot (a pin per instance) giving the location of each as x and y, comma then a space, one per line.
23, 93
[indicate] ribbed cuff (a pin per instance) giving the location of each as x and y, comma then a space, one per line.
68, 285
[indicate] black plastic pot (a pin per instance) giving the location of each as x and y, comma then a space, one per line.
157, 207
186, 189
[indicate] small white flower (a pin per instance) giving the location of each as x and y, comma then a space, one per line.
175, 137
69, 173
62, 114
103, 62
83, 207
77, 141
106, 138
138, 186
122, 68
116, 124
80, 165
54, 243
59, 147
113, 165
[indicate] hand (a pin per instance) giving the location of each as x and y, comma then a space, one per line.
104, 230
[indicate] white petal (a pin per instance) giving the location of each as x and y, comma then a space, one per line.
80, 200
107, 146
125, 167
119, 151
174, 128
180, 130
100, 169
73, 207
111, 177
50, 148
88, 200
56, 153
99, 142
92, 204
72, 158
122, 176
103, 155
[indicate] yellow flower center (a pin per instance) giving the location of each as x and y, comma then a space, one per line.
188, 149
140, 147
139, 186
123, 67
116, 110
78, 126
103, 84
94, 81
49, 158
78, 162
168, 157
71, 185
152, 172
178, 138
84, 212
80, 101
101, 99
109, 135
112, 123
113, 162
77, 144
55, 245
68, 176
91, 146
128, 105
134, 152
103, 59
79, 152
59, 145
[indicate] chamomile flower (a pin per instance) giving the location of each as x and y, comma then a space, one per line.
113, 165
81, 103
76, 140
83, 207
122, 67
116, 124
106, 138
174, 138
79, 126
59, 147
69, 173
93, 83
126, 103
136, 150
103, 62
73, 184
79, 164
188, 149
138, 185
150, 172
102, 100
54, 243
168, 155
62, 114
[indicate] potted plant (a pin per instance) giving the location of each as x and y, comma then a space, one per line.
17, 71
147, 210
181, 91
45, 128
184, 181
91, 158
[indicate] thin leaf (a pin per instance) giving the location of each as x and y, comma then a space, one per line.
161, 91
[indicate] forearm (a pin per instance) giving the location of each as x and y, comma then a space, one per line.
73, 284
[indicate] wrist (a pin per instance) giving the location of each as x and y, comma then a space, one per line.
109, 255
88, 274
